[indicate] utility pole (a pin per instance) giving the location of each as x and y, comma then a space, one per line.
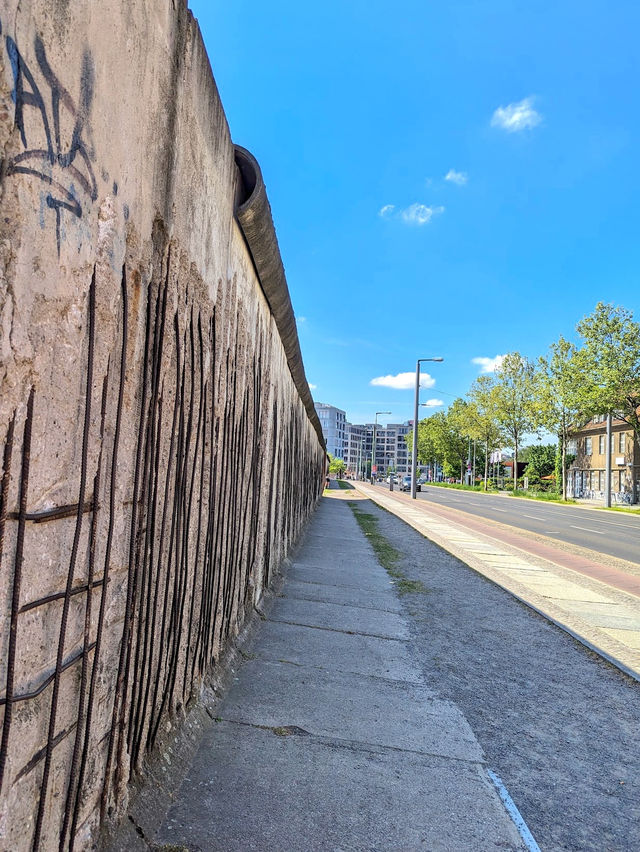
607, 475
414, 455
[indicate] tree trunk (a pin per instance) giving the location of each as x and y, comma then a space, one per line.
564, 466
515, 464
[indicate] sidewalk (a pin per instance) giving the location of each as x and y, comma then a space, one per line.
329, 738
597, 604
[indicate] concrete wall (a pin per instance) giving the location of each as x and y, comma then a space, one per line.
159, 455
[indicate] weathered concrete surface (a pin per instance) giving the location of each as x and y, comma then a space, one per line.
150, 410
321, 750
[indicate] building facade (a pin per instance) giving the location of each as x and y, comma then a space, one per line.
586, 477
353, 443
334, 428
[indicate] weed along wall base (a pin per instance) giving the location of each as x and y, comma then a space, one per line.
160, 451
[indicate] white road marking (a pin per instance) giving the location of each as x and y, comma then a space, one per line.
586, 529
514, 813
495, 509
534, 517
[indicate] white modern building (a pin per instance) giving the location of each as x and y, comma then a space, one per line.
334, 422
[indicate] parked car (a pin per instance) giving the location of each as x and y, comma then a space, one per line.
405, 485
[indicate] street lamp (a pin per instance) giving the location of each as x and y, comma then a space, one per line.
373, 445
414, 460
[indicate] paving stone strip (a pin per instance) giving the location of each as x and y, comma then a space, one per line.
330, 738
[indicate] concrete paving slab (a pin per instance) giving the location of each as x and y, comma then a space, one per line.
353, 556
333, 616
251, 789
366, 598
551, 588
630, 638
343, 652
611, 619
358, 577
350, 707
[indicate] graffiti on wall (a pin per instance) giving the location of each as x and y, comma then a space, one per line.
54, 130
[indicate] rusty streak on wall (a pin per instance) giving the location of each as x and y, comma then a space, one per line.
160, 452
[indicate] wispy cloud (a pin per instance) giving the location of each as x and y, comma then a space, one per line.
415, 214
312, 386
459, 178
301, 320
517, 116
420, 214
403, 381
433, 403
488, 365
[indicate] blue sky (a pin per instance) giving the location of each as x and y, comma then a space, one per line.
358, 112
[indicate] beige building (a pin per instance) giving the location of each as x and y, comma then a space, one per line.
586, 478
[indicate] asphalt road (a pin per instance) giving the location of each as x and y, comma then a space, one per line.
612, 533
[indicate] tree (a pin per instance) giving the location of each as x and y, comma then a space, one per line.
482, 411
610, 364
440, 441
516, 405
559, 381
541, 460
337, 466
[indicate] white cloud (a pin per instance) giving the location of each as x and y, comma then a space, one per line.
459, 178
301, 320
489, 365
415, 214
433, 403
515, 117
312, 387
403, 381
420, 214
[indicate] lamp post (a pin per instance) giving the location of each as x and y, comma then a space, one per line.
607, 476
373, 444
414, 460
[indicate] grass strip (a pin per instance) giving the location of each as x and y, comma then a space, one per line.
548, 496
386, 553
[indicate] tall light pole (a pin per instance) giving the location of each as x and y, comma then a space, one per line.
414, 460
373, 444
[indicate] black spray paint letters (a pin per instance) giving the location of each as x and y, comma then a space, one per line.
54, 130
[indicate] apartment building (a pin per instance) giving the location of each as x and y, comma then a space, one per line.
353, 442
334, 428
358, 448
391, 448
587, 474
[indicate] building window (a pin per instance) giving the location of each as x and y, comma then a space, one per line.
588, 446
601, 445
623, 441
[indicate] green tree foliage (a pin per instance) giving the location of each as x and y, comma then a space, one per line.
610, 364
516, 400
541, 460
483, 417
559, 381
337, 466
441, 441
